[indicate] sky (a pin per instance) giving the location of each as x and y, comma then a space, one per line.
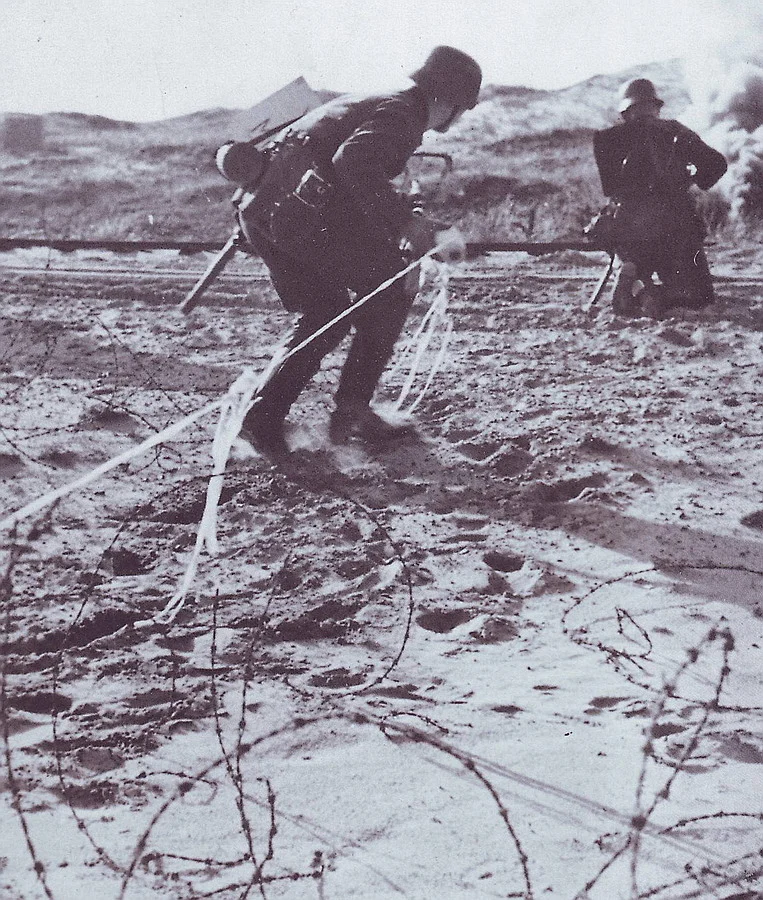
143, 60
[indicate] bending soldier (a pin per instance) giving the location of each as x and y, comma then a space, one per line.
329, 225
648, 165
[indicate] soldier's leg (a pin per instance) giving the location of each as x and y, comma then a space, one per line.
377, 328
634, 275
293, 365
622, 297
686, 275
290, 371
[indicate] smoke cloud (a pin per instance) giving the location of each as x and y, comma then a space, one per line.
726, 88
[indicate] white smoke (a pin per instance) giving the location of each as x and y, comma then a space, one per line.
726, 86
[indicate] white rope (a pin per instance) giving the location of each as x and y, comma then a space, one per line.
444, 341
236, 404
436, 318
422, 340
414, 339
166, 435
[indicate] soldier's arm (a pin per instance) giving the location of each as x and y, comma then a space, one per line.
710, 165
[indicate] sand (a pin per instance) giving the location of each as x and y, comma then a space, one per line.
516, 655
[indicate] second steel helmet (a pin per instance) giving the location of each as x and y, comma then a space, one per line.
450, 75
640, 90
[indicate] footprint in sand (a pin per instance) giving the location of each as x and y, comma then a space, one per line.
567, 489
153, 697
101, 624
329, 620
507, 709
441, 621
127, 562
338, 678
99, 759
506, 461
742, 747
753, 520
512, 461
10, 465
479, 450
503, 562
93, 794
61, 459
626, 706
40, 702
109, 420
495, 630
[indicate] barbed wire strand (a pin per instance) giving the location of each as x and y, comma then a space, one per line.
643, 814
15, 553
467, 761
639, 821
234, 773
406, 731
579, 635
399, 551
184, 788
723, 881
57, 748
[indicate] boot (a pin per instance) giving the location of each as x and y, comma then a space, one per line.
264, 430
360, 420
622, 298
652, 301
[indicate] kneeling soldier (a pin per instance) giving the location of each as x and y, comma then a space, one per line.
648, 165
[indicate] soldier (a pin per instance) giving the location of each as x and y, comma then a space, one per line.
330, 225
648, 166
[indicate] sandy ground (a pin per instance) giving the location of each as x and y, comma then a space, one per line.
516, 656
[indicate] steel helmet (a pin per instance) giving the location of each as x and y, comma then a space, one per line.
640, 90
450, 75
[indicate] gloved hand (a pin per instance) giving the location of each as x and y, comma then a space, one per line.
451, 245
424, 234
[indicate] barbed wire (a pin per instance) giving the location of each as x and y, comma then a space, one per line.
261, 878
616, 656
148, 855
18, 547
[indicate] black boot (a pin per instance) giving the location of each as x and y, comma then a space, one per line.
264, 430
359, 419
